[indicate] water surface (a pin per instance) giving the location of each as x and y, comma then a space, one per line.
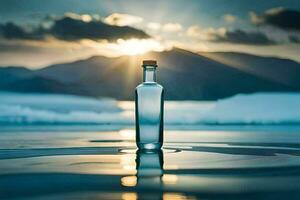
233, 163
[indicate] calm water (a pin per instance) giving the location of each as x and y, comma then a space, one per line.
229, 163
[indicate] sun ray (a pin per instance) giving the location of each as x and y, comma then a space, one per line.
136, 46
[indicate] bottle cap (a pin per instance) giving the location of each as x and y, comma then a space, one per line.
150, 63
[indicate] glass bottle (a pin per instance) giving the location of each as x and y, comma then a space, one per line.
149, 100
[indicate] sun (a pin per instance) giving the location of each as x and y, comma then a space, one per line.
137, 46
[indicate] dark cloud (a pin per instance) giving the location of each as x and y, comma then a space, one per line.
13, 31
243, 37
278, 17
70, 28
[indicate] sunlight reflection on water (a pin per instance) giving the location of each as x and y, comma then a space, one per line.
127, 134
107, 164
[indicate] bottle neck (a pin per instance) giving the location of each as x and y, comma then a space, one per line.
149, 74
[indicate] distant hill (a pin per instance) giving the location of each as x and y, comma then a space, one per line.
284, 71
185, 75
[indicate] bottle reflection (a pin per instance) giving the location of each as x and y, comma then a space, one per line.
149, 181
149, 165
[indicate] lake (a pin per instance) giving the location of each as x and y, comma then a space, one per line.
196, 162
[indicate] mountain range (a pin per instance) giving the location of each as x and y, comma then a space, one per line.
185, 75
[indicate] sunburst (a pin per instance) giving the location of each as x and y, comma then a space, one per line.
137, 46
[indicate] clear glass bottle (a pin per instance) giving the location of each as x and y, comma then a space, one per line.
149, 103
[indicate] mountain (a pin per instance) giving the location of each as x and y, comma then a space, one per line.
184, 75
284, 71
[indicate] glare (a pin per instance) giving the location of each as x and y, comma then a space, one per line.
125, 47
175, 196
129, 196
169, 179
137, 46
127, 134
129, 181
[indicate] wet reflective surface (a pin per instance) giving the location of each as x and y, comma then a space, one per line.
228, 164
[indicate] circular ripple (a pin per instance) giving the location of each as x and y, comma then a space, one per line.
164, 150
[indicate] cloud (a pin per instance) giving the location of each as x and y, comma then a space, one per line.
168, 27
194, 31
154, 26
39, 53
13, 31
68, 28
224, 35
172, 27
230, 18
282, 18
84, 17
72, 27
204, 34
207, 34
242, 37
119, 19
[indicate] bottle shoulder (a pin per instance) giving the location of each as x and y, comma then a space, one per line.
149, 85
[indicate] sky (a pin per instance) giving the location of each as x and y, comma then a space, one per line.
35, 33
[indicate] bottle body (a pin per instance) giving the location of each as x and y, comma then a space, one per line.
149, 102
